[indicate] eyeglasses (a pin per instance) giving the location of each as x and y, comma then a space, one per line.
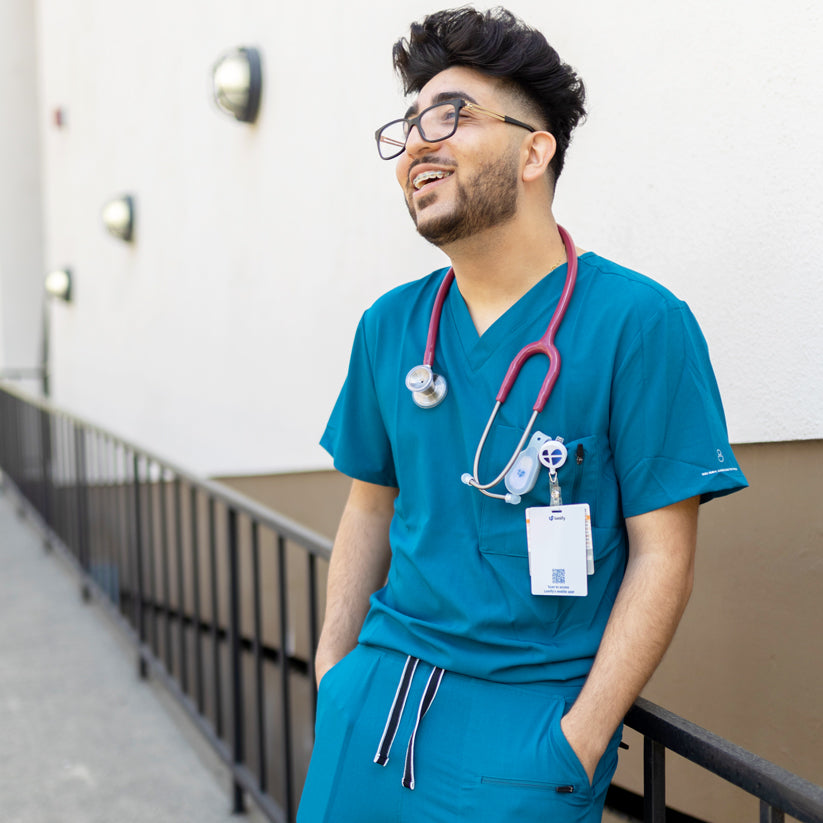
436, 123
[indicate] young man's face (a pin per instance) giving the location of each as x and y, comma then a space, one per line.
477, 169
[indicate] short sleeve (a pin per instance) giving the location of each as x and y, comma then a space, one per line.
355, 435
667, 426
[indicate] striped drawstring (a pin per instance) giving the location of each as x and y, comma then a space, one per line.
396, 714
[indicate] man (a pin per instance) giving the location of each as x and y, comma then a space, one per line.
463, 675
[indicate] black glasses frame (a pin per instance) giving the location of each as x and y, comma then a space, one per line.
458, 103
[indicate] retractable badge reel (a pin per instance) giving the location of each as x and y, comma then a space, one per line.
552, 455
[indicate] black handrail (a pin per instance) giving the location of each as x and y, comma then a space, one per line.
779, 791
185, 580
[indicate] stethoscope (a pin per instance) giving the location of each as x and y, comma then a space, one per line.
428, 389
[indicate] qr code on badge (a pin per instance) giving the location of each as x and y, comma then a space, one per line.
559, 576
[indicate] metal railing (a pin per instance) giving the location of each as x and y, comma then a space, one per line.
223, 598
779, 791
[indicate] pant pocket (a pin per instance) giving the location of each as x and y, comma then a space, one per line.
522, 775
566, 756
606, 767
343, 690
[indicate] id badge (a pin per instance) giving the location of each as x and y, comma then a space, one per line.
560, 549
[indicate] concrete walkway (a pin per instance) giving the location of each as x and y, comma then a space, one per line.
82, 739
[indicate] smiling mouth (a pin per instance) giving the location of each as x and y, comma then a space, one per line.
427, 177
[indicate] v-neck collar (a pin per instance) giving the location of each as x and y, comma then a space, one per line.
533, 309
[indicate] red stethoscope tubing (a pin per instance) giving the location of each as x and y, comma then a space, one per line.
545, 345
434, 323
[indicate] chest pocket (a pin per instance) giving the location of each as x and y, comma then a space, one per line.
503, 526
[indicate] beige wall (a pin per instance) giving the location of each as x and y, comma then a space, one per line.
747, 661
315, 499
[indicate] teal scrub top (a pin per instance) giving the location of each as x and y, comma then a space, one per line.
636, 403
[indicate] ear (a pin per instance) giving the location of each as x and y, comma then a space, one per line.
540, 149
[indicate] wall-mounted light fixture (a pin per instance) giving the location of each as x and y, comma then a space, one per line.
118, 217
58, 284
236, 83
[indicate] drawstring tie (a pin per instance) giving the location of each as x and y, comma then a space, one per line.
396, 714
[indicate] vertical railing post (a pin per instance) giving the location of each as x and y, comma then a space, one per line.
314, 631
33, 462
23, 483
238, 720
46, 474
198, 614
215, 621
259, 679
654, 781
59, 479
152, 634
181, 586
82, 507
768, 814
142, 668
285, 692
112, 506
17, 472
165, 561
96, 571
121, 510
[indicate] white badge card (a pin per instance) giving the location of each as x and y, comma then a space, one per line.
589, 543
558, 538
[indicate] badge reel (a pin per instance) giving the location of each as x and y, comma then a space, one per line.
522, 476
553, 455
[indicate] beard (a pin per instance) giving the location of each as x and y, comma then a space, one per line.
489, 199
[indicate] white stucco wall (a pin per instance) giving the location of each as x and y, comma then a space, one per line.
220, 337
20, 203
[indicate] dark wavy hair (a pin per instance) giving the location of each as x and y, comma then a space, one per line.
500, 45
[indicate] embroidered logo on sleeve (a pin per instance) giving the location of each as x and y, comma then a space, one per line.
720, 459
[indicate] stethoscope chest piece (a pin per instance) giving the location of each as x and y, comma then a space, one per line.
428, 389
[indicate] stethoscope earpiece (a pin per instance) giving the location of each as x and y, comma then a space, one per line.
428, 389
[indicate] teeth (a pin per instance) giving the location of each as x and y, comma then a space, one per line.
424, 178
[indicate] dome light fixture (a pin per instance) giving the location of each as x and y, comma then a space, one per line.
118, 217
236, 83
58, 284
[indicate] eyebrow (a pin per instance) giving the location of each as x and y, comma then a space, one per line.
440, 98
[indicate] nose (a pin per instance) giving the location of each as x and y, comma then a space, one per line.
415, 143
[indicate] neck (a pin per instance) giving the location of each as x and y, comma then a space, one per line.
497, 267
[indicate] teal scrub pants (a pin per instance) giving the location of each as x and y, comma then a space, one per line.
471, 749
